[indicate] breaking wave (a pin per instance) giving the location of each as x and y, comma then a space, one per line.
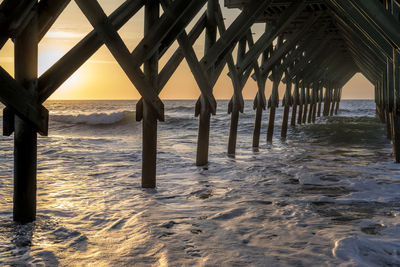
96, 118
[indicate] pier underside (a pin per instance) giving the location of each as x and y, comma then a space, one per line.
313, 47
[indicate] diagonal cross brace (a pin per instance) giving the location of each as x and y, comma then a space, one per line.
272, 32
104, 28
180, 12
79, 54
236, 30
49, 11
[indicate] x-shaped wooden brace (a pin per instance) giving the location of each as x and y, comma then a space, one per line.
238, 79
100, 22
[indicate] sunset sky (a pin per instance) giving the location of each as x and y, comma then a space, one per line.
102, 78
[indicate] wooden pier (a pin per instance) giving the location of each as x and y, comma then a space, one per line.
314, 47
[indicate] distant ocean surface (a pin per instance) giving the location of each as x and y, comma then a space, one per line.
327, 196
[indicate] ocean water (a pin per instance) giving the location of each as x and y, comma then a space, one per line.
328, 195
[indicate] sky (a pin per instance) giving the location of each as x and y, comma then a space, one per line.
102, 78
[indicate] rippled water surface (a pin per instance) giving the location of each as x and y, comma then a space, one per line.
328, 195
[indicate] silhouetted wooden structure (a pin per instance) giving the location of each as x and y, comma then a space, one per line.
313, 46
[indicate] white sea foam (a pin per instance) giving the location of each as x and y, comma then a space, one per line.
92, 119
368, 251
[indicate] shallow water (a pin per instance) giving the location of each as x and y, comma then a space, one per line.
328, 195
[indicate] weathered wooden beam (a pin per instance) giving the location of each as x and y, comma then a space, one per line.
200, 75
296, 102
396, 109
260, 100
14, 17
274, 98
306, 103
289, 44
320, 98
25, 137
178, 14
236, 103
49, 11
307, 45
80, 53
301, 104
382, 19
287, 102
348, 10
179, 26
96, 16
250, 13
273, 31
149, 124
203, 109
178, 56
259, 110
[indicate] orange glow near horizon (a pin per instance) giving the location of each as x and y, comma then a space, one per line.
102, 78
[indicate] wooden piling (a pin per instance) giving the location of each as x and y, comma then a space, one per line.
320, 97
149, 124
25, 135
332, 102
314, 105
274, 104
258, 106
388, 125
204, 108
301, 104
338, 97
257, 126
233, 127
327, 101
286, 108
295, 103
309, 119
396, 106
235, 106
306, 102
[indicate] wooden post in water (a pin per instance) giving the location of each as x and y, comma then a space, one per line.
301, 104
332, 105
311, 105
25, 135
396, 108
387, 83
295, 103
320, 97
339, 94
235, 105
233, 127
149, 125
306, 102
314, 95
258, 106
274, 103
286, 107
327, 101
203, 105
260, 100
